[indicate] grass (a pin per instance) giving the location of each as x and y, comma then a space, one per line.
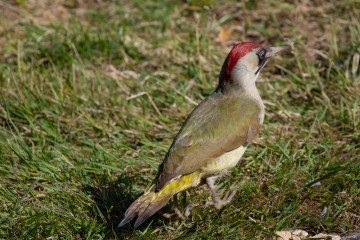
92, 94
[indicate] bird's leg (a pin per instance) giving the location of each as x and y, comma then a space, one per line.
184, 199
187, 206
178, 213
216, 200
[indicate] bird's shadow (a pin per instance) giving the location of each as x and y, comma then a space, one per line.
112, 198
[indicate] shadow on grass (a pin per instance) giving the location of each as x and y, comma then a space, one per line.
112, 198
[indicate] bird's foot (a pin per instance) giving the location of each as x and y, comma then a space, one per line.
178, 214
219, 203
189, 207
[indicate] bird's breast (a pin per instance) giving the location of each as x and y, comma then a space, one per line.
224, 162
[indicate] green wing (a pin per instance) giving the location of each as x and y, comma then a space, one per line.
217, 125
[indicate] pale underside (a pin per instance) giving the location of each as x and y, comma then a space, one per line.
224, 162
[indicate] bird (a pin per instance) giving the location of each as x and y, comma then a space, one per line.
214, 136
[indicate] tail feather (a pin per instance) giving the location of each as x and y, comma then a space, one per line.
151, 202
144, 207
152, 208
132, 211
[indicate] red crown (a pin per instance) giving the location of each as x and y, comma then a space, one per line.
237, 52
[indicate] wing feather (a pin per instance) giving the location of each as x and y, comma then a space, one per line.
207, 134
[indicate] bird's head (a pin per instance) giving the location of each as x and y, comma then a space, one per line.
244, 63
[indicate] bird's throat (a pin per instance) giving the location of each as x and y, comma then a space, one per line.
261, 65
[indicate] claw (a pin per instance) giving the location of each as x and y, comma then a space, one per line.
217, 202
189, 207
178, 214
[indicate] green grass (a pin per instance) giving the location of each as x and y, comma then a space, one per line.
91, 99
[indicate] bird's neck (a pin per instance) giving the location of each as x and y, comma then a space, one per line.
241, 84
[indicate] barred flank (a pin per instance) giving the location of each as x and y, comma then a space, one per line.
151, 202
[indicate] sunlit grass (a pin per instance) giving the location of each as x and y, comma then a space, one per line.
90, 102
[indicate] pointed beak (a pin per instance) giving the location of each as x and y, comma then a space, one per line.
272, 51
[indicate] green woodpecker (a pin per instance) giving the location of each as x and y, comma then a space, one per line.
214, 136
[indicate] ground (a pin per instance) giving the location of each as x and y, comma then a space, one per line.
93, 92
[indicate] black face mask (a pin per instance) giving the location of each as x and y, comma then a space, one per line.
262, 59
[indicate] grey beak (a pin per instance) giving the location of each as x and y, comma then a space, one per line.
272, 51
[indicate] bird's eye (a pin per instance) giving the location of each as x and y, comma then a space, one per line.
261, 54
